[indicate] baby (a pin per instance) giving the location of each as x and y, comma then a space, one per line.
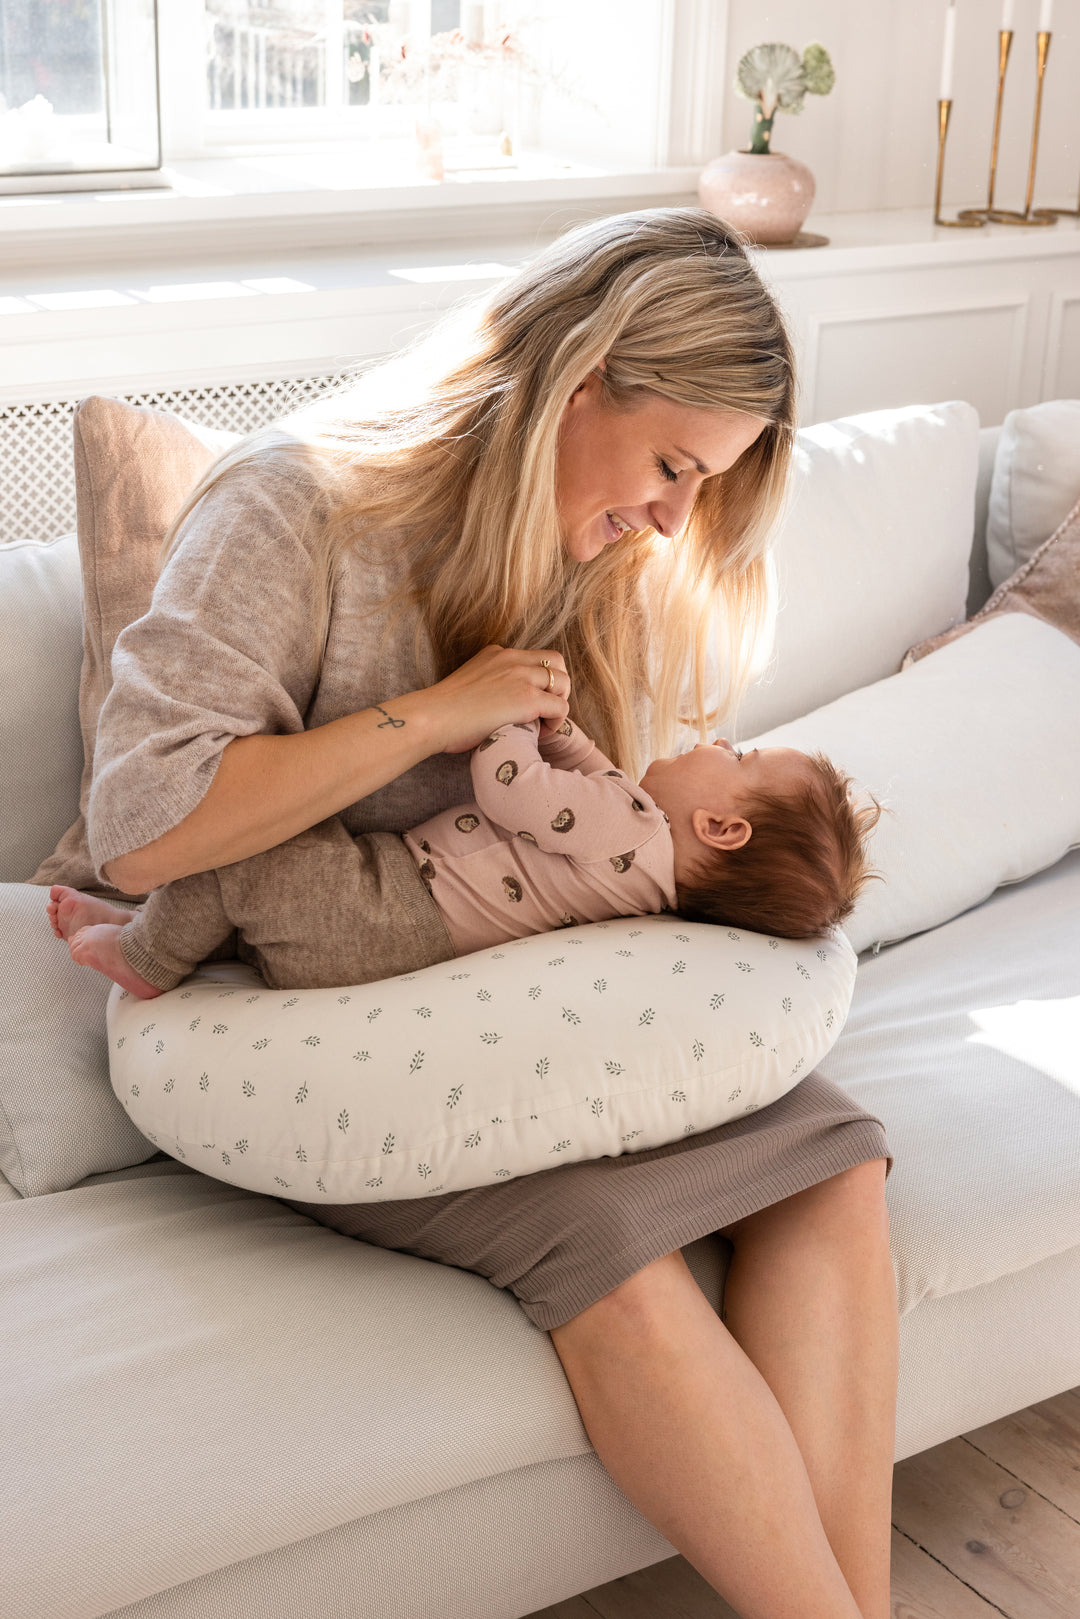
769, 841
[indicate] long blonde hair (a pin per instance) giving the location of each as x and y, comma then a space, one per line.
451, 448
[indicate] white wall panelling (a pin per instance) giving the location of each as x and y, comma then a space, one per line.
995, 322
1061, 368
880, 357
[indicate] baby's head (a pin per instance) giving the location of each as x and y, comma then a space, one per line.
769, 840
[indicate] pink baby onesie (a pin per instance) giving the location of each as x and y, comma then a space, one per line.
545, 845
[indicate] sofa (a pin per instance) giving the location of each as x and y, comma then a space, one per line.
215, 1406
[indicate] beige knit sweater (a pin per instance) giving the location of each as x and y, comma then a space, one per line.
224, 651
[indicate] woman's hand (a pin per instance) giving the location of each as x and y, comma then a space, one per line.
499, 686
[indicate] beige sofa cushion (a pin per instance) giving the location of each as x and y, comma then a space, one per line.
1046, 586
40, 746
59, 1117
134, 468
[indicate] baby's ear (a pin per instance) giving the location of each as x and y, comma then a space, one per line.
720, 832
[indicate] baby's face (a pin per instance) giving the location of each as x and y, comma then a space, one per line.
719, 778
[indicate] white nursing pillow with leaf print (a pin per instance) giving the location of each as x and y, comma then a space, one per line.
586, 1043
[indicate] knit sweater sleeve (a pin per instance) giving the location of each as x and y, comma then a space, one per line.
224, 651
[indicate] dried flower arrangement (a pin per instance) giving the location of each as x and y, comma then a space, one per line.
430, 71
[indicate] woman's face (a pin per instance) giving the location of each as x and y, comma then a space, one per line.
642, 468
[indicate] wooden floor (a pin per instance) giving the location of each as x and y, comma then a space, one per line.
984, 1526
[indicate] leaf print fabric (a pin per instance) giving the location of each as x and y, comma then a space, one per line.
528, 1058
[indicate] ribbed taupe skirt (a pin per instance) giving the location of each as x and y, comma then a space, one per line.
563, 1237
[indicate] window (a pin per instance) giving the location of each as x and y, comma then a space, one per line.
379, 92
78, 93
476, 84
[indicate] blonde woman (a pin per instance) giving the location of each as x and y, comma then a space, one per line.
584, 469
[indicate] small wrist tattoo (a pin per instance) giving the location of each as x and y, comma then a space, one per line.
389, 720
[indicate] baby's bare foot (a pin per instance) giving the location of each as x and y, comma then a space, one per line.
68, 911
99, 946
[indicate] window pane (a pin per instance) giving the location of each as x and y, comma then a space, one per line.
52, 50
330, 54
442, 86
78, 87
291, 53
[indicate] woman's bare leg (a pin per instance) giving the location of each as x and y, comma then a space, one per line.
694, 1437
811, 1299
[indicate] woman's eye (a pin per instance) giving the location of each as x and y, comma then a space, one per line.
666, 472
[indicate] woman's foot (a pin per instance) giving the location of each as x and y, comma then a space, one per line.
99, 946
69, 911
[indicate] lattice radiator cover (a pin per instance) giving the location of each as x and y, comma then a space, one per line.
37, 469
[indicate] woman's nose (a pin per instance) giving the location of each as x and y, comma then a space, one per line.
669, 514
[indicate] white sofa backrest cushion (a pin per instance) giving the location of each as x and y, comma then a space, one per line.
977, 761
873, 554
41, 752
1036, 483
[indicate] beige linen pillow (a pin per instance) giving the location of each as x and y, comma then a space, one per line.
134, 468
1046, 586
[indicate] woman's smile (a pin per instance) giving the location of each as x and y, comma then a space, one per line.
616, 526
628, 450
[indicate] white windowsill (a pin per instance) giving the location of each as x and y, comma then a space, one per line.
234, 201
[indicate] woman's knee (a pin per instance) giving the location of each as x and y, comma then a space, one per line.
650, 1297
848, 1202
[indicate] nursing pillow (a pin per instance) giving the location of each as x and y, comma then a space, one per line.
585, 1043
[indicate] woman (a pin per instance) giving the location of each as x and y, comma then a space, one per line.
585, 470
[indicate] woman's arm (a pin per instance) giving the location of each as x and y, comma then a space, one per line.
266, 789
201, 756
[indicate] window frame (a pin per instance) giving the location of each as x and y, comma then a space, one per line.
210, 203
691, 69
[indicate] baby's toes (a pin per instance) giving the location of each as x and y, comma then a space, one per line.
68, 907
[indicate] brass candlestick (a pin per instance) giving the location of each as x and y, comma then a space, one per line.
1040, 216
981, 215
1047, 216
944, 109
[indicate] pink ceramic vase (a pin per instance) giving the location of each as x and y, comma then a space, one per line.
765, 194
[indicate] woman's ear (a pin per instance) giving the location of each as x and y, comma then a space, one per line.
589, 384
720, 832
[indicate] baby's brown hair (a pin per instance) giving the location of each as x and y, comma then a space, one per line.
802, 868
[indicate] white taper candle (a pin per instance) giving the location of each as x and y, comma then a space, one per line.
949, 51
1008, 9
1045, 14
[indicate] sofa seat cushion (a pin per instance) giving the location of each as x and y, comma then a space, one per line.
195, 1374
965, 1042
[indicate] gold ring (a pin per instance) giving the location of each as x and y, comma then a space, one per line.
545, 664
